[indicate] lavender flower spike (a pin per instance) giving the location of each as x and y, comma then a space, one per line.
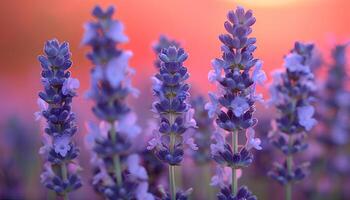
174, 113
118, 175
236, 75
293, 89
55, 107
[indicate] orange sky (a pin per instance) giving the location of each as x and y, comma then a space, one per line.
196, 23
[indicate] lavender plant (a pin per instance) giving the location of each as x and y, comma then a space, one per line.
202, 135
118, 173
333, 114
174, 113
233, 105
162, 43
55, 107
155, 168
292, 95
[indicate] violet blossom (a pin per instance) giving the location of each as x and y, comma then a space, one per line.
117, 173
293, 96
174, 113
236, 75
54, 102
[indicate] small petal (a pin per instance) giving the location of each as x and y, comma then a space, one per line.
305, 116
213, 106
239, 106
70, 86
116, 32
61, 145
134, 167
251, 141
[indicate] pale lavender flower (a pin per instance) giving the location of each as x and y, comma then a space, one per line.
292, 94
134, 167
252, 142
118, 68
189, 120
61, 145
213, 105
259, 75
239, 106
294, 63
42, 107
142, 192
305, 116
215, 74
110, 87
55, 107
70, 86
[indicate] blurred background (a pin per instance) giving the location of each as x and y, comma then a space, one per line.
26, 25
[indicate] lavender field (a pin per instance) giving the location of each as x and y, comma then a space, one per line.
178, 100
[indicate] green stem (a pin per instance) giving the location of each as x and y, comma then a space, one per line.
65, 178
116, 158
234, 171
172, 167
289, 168
172, 182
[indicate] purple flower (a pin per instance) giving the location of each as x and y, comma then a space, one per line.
305, 114
213, 106
70, 86
115, 31
61, 144
223, 176
215, 75
117, 68
190, 122
128, 127
189, 140
142, 192
239, 106
173, 112
155, 141
252, 142
55, 106
292, 92
112, 140
134, 167
42, 106
259, 76
294, 63
236, 74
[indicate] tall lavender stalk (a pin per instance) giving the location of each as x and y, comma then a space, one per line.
118, 173
292, 95
55, 101
174, 114
233, 106
334, 117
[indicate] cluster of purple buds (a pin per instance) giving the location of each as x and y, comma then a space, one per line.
233, 106
118, 173
162, 43
153, 165
202, 135
242, 194
175, 114
55, 107
292, 95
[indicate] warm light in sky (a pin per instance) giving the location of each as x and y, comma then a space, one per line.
267, 2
